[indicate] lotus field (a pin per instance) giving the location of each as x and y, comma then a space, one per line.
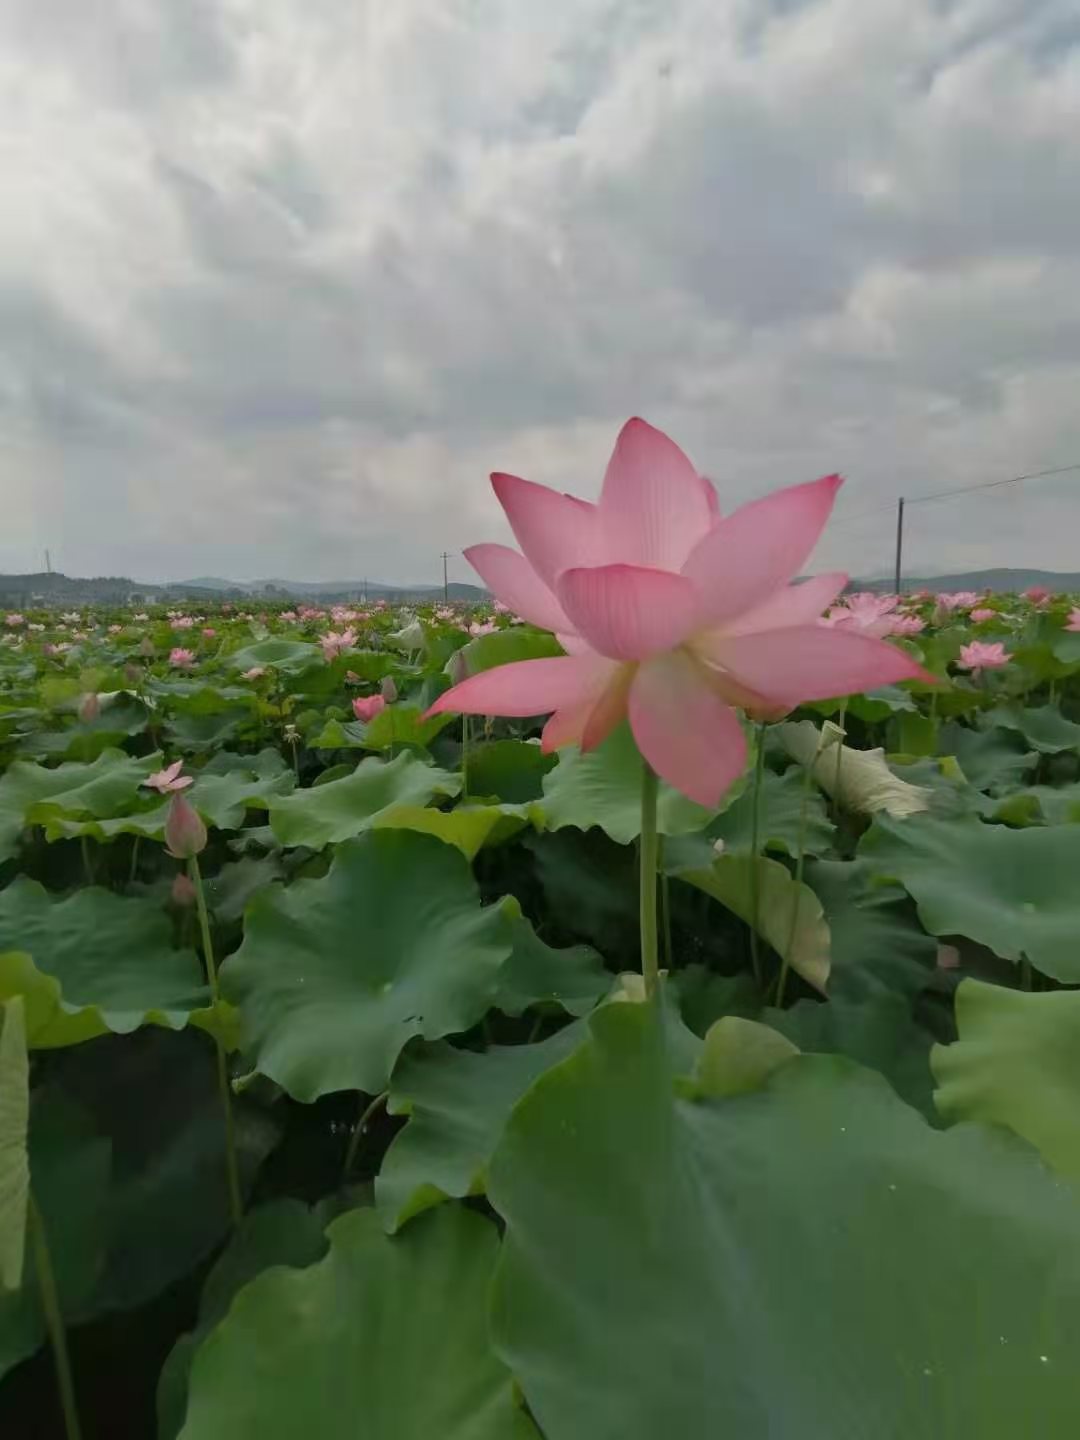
641, 1006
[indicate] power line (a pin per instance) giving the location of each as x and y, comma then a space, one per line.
989, 484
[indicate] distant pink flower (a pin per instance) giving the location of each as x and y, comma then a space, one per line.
367, 709
907, 625
1073, 622
181, 659
669, 615
1037, 594
182, 622
982, 613
978, 655
484, 627
333, 643
169, 779
501, 609
442, 613
209, 632
287, 615
255, 673
14, 619
89, 708
865, 611
957, 599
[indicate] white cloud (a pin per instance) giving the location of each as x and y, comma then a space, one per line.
279, 285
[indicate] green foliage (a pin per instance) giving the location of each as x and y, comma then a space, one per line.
330, 813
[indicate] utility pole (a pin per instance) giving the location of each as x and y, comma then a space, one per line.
445, 576
899, 543
48, 563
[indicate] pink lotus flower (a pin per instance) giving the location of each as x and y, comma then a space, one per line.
209, 632
907, 625
14, 620
333, 643
182, 622
1073, 622
185, 833
181, 659
367, 709
982, 613
168, 780
1037, 594
287, 615
978, 655
865, 611
957, 599
669, 615
115, 629
255, 673
483, 627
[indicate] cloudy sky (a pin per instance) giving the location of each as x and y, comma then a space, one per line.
281, 281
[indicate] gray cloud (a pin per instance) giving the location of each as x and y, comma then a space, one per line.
279, 285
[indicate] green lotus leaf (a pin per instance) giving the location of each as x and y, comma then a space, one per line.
337, 811
336, 974
14, 1121
385, 1338
1016, 1063
665, 1259
107, 786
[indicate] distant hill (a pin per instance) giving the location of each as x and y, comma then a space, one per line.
50, 588
1005, 579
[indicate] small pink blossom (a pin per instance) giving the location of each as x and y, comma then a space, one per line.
907, 625
442, 613
14, 619
982, 613
169, 779
865, 611
367, 709
287, 615
485, 627
1073, 622
115, 629
957, 600
181, 659
977, 655
1037, 594
334, 643
209, 632
89, 708
183, 622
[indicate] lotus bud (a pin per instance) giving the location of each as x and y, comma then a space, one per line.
183, 891
132, 673
389, 689
146, 647
89, 708
185, 833
831, 734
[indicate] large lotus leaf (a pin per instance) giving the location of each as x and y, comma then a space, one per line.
503, 647
197, 697
571, 979
458, 1102
781, 822
105, 787
283, 1232
1016, 1063
384, 1338
874, 706
69, 1168
811, 1261
590, 888
224, 800
858, 780
344, 808
14, 1119
789, 914
1039, 804
336, 974
993, 760
510, 770
469, 827
877, 942
1044, 728
604, 788
204, 732
228, 892
1014, 891
290, 657
402, 724
92, 963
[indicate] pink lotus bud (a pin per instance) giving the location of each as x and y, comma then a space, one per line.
389, 689
185, 833
183, 891
89, 708
367, 709
209, 632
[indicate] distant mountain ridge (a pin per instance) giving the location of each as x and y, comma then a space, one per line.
1060, 581
51, 587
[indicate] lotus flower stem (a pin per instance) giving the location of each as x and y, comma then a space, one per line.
665, 907
755, 845
88, 868
800, 858
134, 867
232, 1169
54, 1320
464, 757
650, 961
839, 747
366, 1116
